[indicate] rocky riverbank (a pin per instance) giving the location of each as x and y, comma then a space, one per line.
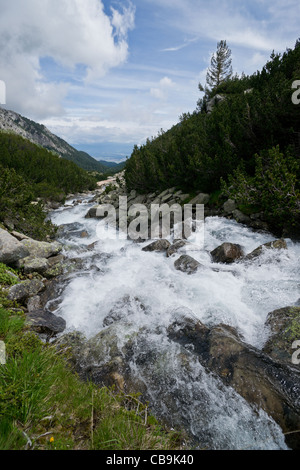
268, 379
213, 206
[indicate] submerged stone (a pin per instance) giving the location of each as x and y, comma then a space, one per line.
187, 264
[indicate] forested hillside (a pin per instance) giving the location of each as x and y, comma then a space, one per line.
248, 144
29, 173
10, 121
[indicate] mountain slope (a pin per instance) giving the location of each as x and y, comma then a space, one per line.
11, 121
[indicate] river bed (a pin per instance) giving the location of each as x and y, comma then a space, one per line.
146, 289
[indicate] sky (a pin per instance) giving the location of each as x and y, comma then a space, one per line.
105, 75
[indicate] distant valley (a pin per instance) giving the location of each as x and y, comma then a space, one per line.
11, 121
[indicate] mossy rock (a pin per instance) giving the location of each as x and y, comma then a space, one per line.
284, 325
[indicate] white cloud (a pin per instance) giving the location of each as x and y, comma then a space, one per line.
255, 24
70, 32
161, 92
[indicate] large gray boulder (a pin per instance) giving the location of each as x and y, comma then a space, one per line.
11, 249
39, 249
229, 206
22, 291
45, 323
266, 384
34, 265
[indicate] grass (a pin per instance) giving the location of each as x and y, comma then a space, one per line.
45, 406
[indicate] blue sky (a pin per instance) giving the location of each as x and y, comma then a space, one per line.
106, 75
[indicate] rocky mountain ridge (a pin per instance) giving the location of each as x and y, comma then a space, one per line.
10, 121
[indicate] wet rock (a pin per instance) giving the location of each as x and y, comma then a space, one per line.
284, 326
92, 212
11, 249
158, 245
187, 264
175, 247
45, 323
64, 229
227, 253
99, 358
124, 309
274, 245
24, 290
263, 382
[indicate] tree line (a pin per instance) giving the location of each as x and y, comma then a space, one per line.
30, 173
251, 135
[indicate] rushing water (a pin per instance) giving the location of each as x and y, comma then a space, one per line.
240, 295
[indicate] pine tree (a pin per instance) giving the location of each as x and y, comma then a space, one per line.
220, 67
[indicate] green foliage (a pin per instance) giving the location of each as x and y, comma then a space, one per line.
45, 406
8, 276
274, 187
31, 175
220, 68
255, 115
49, 175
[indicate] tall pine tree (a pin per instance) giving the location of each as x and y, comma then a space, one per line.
220, 67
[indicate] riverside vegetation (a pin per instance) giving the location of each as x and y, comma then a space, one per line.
243, 140
43, 403
245, 147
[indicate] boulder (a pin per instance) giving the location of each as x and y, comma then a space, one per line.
24, 290
201, 198
158, 245
33, 265
34, 303
229, 206
175, 247
284, 327
213, 101
92, 212
240, 217
187, 264
227, 253
46, 323
39, 249
11, 249
276, 244
99, 359
19, 236
166, 198
263, 382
